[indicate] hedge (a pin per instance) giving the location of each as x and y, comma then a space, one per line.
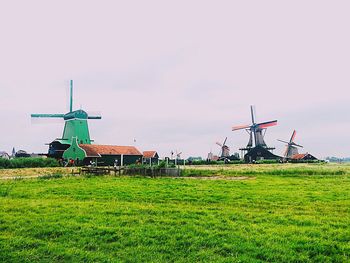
30, 162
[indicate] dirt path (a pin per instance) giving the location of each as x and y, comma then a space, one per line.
18, 177
234, 178
231, 178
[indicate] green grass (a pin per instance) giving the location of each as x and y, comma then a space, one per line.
132, 219
268, 169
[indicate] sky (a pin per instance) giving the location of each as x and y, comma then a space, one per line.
177, 75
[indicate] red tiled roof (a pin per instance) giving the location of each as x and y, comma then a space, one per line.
98, 150
149, 154
299, 156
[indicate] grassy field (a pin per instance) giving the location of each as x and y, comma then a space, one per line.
34, 172
274, 216
287, 169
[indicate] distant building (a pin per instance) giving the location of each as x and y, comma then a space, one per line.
303, 157
150, 157
4, 155
212, 157
38, 155
22, 154
196, 158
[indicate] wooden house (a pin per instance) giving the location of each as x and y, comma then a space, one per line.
103, 155
150, 157
303, 157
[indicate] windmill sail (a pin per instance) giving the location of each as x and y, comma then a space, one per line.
256, 136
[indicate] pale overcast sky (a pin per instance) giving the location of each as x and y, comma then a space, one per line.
177, 75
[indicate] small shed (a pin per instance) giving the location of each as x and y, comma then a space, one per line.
108, 154
303, 157
150, 157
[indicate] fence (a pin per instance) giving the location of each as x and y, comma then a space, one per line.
144, 171
151, 171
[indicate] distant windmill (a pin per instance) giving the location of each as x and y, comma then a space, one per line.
255, 130
225, 150
178, 155
76, 125
291, 146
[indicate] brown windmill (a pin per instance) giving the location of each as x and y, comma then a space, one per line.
224, 151
291, 147
256, 148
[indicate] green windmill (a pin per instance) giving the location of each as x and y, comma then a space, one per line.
76, 126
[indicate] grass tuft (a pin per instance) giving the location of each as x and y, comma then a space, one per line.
50, 176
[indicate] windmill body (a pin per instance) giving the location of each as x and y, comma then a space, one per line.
224, 154
76, 125
225, 150
256, 147
292, 150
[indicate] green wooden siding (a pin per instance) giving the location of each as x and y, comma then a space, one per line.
74, 151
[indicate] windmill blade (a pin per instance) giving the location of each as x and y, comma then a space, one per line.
286, 151
220, 152
94, 117
178, 154
225, 141
282, 141
252, 112
240, 127
293, 136
298, 145
47, 115
71, 96
219, 144
264, 125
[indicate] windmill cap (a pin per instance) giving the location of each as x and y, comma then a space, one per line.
78, 114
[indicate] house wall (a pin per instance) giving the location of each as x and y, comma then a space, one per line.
74, 152
259, 153
153, 160
106, 160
